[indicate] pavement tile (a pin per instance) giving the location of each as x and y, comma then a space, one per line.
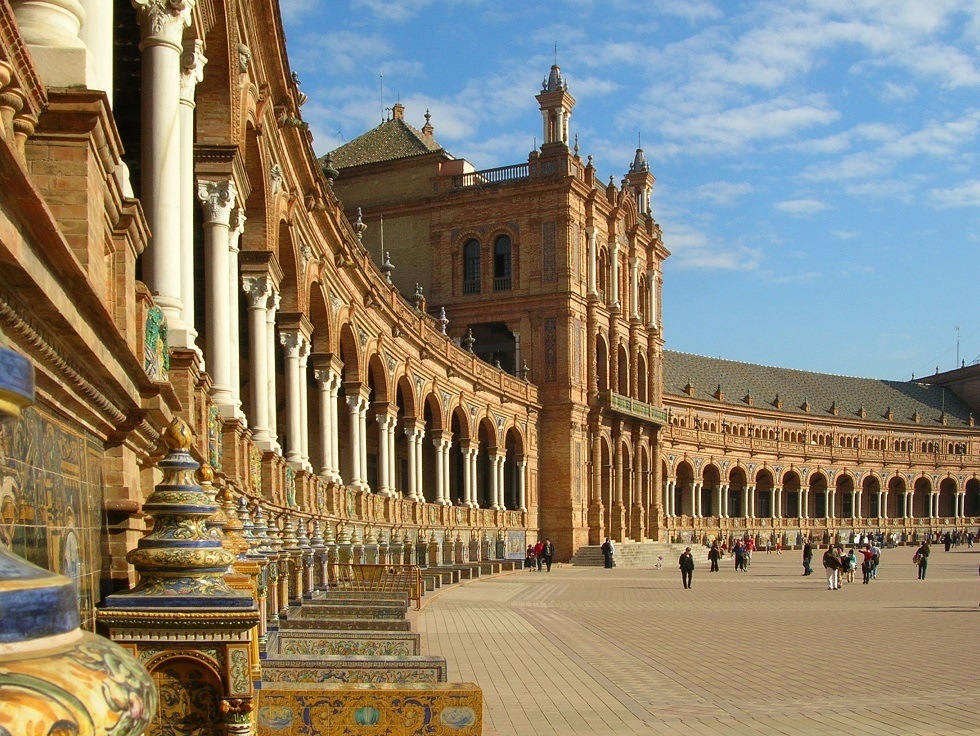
629, 651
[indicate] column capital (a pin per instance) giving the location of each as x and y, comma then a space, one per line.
325, 377
236, 222
293, 341
192, 62
218, 200
259, 289
163, 21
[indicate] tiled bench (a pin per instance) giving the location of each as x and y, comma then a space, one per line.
344, 643
300, 709
356, 669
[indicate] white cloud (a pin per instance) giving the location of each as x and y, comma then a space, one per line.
294, 11
965, 195
695, 249
845, 234
720, 193
736, 128
800, 207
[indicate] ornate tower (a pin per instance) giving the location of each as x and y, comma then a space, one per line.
556, 108
641, 182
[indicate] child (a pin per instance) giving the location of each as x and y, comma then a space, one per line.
851, 563
660, 562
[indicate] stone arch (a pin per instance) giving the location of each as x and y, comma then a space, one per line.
459, 428
710, 489
792, 504
255, 237
350, 354
921, 493
947, 497
684, 488
514, 449
642, 380
622, 370
764, 502
870, 505
897, 489
190, 691
818, 495
291, 288
601, 364
486, 432
737, 484
971, 503
844, 497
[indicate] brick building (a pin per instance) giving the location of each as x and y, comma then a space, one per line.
548, 274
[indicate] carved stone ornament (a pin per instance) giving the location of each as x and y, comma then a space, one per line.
218, 200
258, 289
192, 63
244, 56
164, 20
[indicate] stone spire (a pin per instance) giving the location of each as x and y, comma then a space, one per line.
556, 108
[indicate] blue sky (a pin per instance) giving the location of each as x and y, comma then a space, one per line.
817, 161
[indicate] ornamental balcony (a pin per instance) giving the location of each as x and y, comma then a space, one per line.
633, 408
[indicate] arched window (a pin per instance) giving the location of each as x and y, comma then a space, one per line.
501, 263
471, 267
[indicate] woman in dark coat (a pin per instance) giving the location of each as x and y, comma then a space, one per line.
686, 564
713, 554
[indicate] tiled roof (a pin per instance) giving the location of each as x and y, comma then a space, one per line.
393, 139
821, 391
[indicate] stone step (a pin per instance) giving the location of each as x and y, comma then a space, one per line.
640, 554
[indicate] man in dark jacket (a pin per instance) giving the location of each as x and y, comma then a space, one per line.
548, 552
807, 557
686, 564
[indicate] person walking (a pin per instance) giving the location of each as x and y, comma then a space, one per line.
921, 558
686, 564
738, 552
548, 551
713, 555
832, 565
875, 560
608, 550
867, 564
539, 554
807, 557
529, 558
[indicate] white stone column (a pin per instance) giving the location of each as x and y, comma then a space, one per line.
304, 406
162, 25
882, 503
363, 445
192, 63
499, 482
442, 446
749, 502
614, 272
801, 502
777, 502
354, 419
386, 450
293, 342
855, 503
328, 384
635, 288
413, 434
723, 505
270, 346
237, 227
830, 499
696, 501
259, 291
592, 264
420, 477
51, 29
96, 34
522, 485
218, 200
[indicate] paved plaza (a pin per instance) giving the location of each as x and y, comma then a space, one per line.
585, 650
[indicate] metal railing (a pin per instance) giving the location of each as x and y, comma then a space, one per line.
382, 579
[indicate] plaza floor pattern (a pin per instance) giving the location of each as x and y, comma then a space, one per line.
768, 652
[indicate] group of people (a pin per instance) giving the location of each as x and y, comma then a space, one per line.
840, 566
539, 556
955, 538
741, 552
